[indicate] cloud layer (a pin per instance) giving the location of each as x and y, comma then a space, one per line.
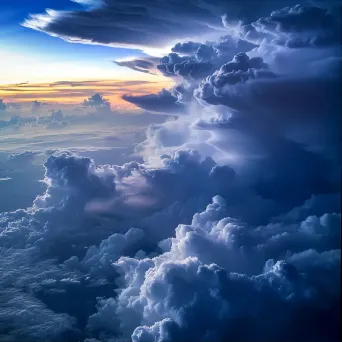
141, 23
229, 228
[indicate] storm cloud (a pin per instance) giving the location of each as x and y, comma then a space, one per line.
229, 228
3, 106
163, 102
141, 24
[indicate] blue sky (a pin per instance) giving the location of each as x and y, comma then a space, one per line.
77, 61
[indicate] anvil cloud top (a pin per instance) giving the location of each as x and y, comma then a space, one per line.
189, 191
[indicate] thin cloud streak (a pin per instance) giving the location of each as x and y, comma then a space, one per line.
74, 92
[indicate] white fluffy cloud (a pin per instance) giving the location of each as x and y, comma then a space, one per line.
219, 271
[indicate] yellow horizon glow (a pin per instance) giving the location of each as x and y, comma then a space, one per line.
75, 91
17, 67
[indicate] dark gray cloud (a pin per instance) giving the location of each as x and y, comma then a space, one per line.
186, 48
290, 97
199, 61
143, 23
75, 183
3, 106
241, 69
275, 265
228, 46
193, 70
266, 118
146, 65
237, 242
203, 60
97, 100
168, 62
211, 262
296, 27
162, 102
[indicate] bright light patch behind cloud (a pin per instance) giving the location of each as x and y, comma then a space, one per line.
18, 68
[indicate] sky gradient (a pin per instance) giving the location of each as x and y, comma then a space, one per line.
32, 57
170, 171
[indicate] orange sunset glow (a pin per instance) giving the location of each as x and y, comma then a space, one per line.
74, 92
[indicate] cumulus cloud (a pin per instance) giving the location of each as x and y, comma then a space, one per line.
295, 27
239, 70
74, 183
186, 48
230, 227
213, 263
54, 120
93, 110
222, 266
190, 62
250, 91
60, 214
16, 122
203, 59
184, 262
96, 100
